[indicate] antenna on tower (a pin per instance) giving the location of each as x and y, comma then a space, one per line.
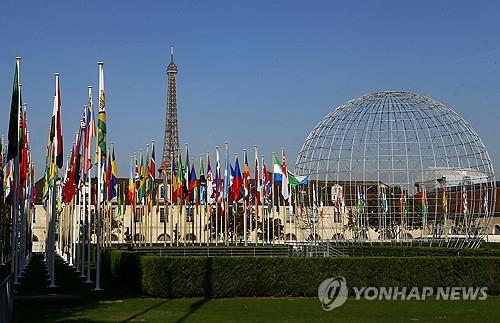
171, 53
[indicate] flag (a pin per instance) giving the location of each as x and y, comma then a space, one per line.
218, 179
180, 178
445, 201
267, 182
56, 137
210, 183
193, 184
284, 181
152, 174
464, 200
237, 182
360, 206
113, 177
131, 185
383, 201
258, 178
142, 185
203, 183
227, 175
15, 106
277, 170
101, 117
425, 207
486, 205
90, 133
185, 182
296, 180
246, 176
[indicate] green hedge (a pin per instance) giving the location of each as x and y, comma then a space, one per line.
292, 276
377, 250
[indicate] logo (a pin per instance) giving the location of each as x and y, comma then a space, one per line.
332, 293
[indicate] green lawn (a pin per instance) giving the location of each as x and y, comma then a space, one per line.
260, 310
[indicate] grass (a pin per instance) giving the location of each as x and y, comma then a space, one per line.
262, 310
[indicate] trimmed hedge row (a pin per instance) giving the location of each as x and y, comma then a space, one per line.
377, 250
289, 276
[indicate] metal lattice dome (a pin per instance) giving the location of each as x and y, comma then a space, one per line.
395, 166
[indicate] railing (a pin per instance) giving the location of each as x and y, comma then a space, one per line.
314, 249
220, 251
7, 299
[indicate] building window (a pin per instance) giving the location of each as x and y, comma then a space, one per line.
163, 218
138, 214
113, 212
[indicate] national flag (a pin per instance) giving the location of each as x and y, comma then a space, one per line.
237, 185
464, 200
131, 185
277, 170
90, 133
445, 201
203, 183
486, 205
246, 176
266, 176
284, 181
142, 185
210, 182
360, 207
258, 178
185, 183
180, 178
152, 174
193, 184
56, 137
101, 117
218, 179
15, 107
113, 176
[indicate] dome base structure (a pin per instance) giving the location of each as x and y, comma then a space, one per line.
395, 167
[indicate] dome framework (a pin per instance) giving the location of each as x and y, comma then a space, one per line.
395, 166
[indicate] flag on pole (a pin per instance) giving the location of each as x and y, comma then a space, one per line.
113, 176
101, 117
13, 147
203, 183
218, 179
237, 184
152, 174
131, 185
210, 182
193, 184
56, 126
284, 181
246, 176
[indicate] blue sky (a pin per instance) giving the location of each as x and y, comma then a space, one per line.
255, 72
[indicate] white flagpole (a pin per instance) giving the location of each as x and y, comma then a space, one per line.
89, 184
99, 188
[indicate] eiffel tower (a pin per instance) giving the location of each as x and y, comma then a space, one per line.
171, 139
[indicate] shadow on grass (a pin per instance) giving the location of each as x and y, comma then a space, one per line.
192, 309
135, 316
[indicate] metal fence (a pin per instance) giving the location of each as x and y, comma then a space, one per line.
219, 251
314, 249
7, 299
